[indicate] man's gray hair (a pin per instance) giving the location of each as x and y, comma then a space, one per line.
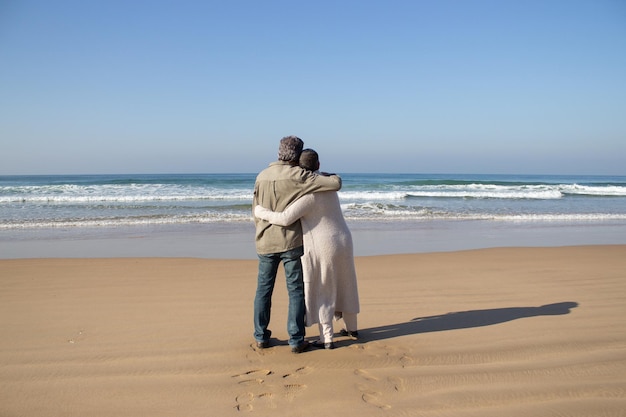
290, 149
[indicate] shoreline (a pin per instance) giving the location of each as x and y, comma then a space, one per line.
236, 240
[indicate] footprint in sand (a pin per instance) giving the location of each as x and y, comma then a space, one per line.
388, 354
267, 398
374, 398
293, 390
369, 393
406, 360
264, 399
365, 375
244, 402
256, 381
261, 352
305, 370
248, 379
397, 383
250, 376
253, 372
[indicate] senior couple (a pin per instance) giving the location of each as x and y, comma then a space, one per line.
299, 223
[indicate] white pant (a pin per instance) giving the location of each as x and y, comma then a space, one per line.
327, 331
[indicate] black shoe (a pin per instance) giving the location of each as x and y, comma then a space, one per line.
319, 345
262, 345
301, 347
354, 334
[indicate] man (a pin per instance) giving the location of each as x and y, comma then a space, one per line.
275, 188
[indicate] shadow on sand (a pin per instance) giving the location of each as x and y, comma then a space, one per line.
462, 320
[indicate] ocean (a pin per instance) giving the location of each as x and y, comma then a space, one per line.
58, 206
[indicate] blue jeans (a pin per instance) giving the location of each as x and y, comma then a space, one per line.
268, 267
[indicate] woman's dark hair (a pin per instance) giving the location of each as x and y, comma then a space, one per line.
309, 159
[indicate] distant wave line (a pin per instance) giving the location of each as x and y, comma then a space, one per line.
120, 199
387, 215
144, 193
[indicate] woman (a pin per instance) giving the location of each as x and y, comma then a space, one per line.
328, 262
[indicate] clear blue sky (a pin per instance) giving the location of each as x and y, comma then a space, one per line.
528, 86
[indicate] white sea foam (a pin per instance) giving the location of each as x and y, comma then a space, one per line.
489, 191
116, 193
385, 215
129, 221
372, 195
593, 190
110, 201
463, 191
71, 193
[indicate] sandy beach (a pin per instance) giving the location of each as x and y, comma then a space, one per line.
490, 332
